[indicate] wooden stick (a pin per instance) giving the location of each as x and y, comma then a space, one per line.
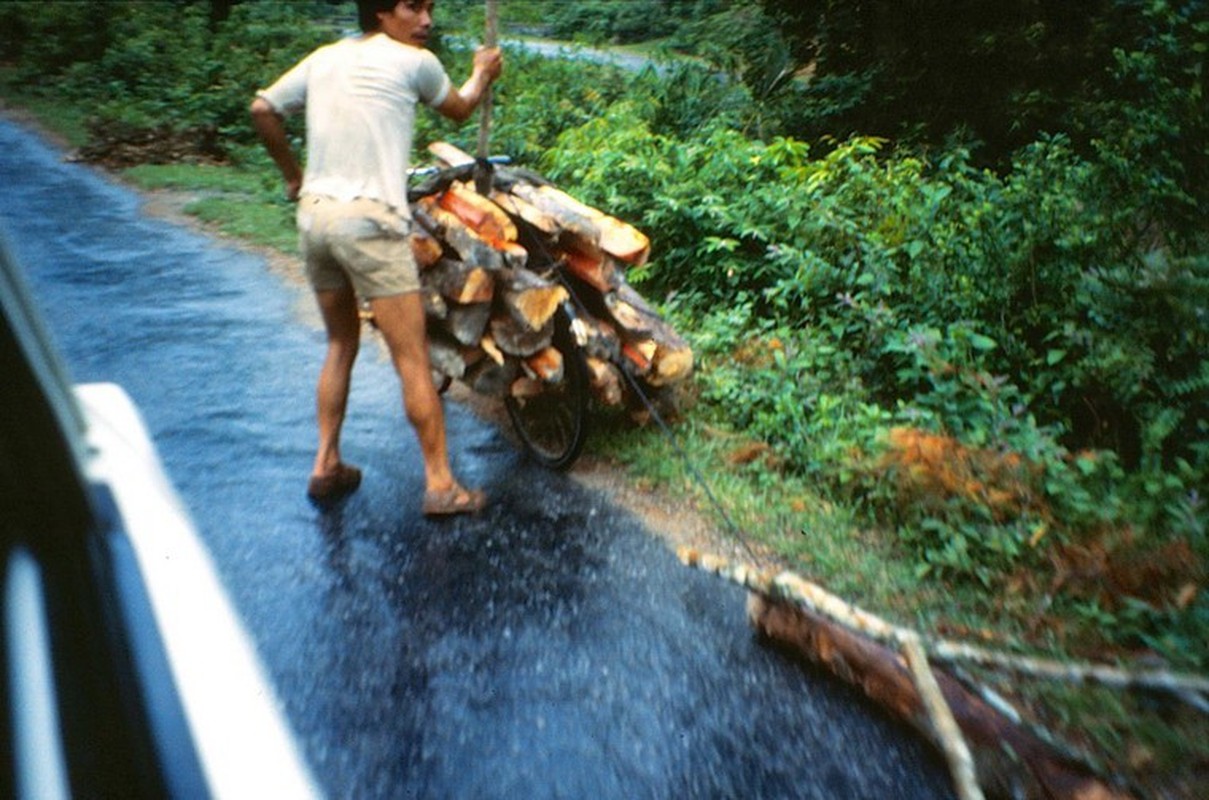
948, 733
859, 648
1177, 684
490, 40
795, 589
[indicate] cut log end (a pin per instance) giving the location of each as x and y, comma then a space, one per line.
605, 381
546, 366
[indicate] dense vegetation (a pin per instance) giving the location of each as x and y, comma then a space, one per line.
951, 268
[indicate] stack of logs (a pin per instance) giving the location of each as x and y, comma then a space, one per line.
496, 268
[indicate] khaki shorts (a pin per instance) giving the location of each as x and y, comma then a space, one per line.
362, 242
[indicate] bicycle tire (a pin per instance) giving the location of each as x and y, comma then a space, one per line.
553, 426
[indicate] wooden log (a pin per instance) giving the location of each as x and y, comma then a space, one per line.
571, 215
605, 381
623, 240
460, 282
672, 362
523, 210
425, 248
592, 266
631, 311
1031, 770
530, 299
589, 224
490, 378
516, 338
467, 323
547, 204
483, 216
464, 240
435, 306
545, 365
450, 154
672, 357
634, 355
854, 645
526, 388
488, 345
597, 338
446, 356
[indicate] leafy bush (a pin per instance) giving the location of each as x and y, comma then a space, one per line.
838, 294
162, 65
46, 38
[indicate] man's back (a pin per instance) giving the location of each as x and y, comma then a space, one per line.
360, 96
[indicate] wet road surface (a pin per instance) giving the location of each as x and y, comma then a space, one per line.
549, 647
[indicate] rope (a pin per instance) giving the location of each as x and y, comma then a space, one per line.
688, 463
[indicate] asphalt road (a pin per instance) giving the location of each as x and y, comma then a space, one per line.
549, 647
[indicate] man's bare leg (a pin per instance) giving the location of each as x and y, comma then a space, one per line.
343, 324
400, 318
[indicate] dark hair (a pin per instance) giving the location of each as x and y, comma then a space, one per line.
367, 12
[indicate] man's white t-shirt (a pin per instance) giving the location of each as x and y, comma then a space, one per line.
360, 98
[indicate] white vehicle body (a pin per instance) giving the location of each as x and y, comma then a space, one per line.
127, 669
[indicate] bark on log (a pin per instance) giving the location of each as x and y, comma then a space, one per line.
483, 216
517, 338
546, 365
435, 306
466, 242
460, 282
527, 212
592, 266
468, 323
571, 215
425, 248
605, 381
597, 338
589, 224
450, 155
445, 355
492, 379
1010, 762
530, 299
671, 358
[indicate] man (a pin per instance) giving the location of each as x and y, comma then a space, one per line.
353, 219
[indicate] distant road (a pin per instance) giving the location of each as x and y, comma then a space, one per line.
573, 52
565, 50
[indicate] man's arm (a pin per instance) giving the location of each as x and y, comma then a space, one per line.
271, 127
459, 104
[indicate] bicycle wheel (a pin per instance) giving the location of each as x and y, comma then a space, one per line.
554, 424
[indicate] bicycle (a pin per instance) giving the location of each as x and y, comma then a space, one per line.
552, 423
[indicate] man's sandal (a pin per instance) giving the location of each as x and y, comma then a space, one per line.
329, 488
457, 500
